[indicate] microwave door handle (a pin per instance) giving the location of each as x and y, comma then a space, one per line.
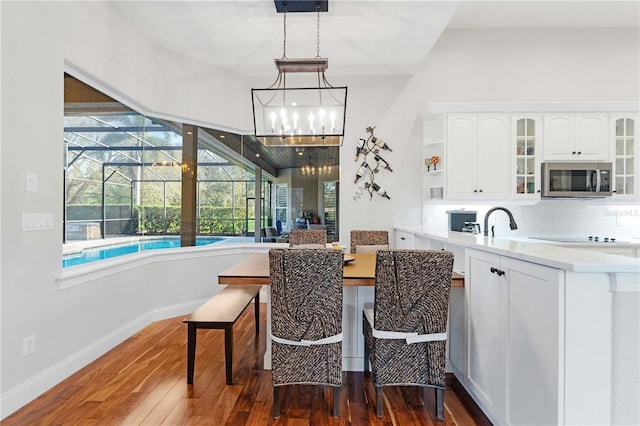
598, 180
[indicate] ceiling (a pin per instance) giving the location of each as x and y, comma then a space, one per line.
360, 37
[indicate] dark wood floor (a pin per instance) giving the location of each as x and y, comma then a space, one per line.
143, 382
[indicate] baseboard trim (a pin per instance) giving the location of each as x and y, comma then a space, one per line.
15, 398
474, 411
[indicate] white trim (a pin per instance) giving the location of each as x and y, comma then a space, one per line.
84, 274
530, 107
30, 389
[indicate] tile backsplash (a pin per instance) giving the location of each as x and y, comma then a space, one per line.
566, 218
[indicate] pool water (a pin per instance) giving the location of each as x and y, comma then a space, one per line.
106, 252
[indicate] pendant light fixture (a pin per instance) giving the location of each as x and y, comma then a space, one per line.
300, 116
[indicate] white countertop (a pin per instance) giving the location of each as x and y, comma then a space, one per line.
535, 251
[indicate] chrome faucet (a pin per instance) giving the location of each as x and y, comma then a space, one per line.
512, 221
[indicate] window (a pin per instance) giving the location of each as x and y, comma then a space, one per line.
281, 204
330, 207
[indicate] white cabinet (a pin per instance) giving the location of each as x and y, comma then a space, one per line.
576, 137
513, 333
485, 325
477, 152
624, 149
526, 151
533, 350
405, 240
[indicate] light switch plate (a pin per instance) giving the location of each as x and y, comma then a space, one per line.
37, 221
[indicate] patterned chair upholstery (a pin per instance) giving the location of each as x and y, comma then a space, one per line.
307, 236
306, 325
369, 238
411, 296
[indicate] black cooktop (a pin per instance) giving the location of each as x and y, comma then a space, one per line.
590, 239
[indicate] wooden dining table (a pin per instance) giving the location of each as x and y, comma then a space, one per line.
361, 271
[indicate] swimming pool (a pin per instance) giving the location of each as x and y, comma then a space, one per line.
108, 251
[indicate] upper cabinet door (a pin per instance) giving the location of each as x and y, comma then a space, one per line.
461, 156
576, 137
493, 167
526, 155
559, 137
625, 145
592, 136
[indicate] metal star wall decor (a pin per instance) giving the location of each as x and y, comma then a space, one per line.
370, 167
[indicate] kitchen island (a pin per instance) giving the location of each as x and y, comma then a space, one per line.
542, 334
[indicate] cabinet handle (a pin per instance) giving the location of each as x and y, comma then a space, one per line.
497, 271
573, 153
579, 152
402, 238
475, 190
480, 190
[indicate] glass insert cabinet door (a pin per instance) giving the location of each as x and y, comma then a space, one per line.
624, 157
527, 158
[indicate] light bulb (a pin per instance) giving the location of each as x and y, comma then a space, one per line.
332, 116
311, 118
295, 120
273, 121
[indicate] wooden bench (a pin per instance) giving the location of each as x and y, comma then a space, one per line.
221, 312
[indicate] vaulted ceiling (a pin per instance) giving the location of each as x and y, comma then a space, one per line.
360, 37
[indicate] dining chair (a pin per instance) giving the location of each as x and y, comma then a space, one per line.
369, 241
306, 320
308, 236
405, 329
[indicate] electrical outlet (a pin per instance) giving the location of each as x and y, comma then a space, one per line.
29, 345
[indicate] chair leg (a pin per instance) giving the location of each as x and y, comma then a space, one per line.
379, 395
440, 404
336, 401
276, 402
366, 358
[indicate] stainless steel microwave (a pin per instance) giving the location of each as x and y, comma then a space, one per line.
576, 179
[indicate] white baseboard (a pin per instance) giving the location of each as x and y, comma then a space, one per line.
30, 389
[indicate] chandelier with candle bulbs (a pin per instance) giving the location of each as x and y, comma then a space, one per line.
300, 116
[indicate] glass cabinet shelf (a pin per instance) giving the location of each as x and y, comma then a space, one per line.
624, 160
526, 158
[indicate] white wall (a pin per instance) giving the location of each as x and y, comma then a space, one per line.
101, 44
75, 325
